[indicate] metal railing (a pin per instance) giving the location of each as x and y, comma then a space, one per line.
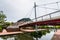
50, 15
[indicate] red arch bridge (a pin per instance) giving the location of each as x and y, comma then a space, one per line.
52, 19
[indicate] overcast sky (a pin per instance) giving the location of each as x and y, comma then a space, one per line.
17, 9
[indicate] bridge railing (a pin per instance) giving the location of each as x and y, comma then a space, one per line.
50, 16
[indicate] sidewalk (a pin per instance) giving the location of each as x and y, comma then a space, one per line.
4, 32
56, 35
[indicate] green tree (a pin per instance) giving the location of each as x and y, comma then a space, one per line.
2, 16
25, 19
2, 19
3, 23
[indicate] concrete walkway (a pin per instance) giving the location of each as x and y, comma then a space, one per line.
9, 33
56, 35
33, 30
4, 32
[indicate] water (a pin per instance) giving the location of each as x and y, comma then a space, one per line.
48, 36
41, 35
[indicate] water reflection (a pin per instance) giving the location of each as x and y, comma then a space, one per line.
26, 36
17, 37
39, 33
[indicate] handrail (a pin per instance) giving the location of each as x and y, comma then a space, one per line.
46, 14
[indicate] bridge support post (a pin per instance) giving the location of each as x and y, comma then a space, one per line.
50, 16
35, 16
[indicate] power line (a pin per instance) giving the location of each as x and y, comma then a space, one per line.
49, 3
49, 8
57, 5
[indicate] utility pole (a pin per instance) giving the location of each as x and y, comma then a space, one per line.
35, 15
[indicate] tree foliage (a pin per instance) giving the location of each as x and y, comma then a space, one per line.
3, 22
24, 19
2, 16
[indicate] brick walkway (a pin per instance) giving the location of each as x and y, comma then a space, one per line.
56, 35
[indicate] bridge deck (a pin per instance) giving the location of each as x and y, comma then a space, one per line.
48, 22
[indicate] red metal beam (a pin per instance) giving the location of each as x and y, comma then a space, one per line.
48, 22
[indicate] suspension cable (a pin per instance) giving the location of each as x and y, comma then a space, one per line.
28, 12
49, 3
57, 5
49, 8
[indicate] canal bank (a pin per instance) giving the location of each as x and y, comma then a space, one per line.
5, 32
41, 35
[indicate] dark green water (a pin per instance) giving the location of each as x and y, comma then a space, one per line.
40, 35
